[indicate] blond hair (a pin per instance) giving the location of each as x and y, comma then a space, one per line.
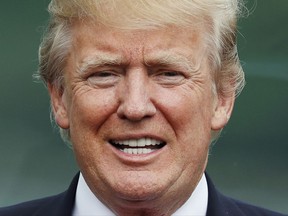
218, 16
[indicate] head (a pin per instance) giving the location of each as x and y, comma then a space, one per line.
144, 72
219, 18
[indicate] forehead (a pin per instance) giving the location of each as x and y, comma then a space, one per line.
90, 39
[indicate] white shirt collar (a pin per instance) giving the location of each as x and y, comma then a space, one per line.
86, 202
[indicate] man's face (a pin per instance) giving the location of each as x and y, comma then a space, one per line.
140, 108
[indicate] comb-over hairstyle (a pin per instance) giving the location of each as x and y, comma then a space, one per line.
217, 17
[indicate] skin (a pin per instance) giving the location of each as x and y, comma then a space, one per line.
134, 96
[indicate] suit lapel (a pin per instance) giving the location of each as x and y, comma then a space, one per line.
62, 204
220, 205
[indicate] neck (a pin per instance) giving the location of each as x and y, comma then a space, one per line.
150, 208
164, 205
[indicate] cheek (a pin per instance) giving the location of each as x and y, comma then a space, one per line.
186, 111
90, 110
189, 115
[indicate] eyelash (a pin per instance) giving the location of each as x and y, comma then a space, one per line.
170, 73
102, 74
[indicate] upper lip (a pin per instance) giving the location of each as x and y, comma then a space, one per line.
129, 136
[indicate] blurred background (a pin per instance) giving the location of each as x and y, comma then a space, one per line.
249, 162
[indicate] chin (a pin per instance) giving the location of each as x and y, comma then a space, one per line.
140, 187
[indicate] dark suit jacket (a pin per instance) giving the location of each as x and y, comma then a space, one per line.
62, 205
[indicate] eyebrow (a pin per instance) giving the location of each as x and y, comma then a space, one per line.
175, 60
100, 59
161, 58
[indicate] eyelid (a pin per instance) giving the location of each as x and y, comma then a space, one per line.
172, 72
102, 78
166, 80
167, 71
100, 70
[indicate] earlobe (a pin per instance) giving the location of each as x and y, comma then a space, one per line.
59, 106
222, 112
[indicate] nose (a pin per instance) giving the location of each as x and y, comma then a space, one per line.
135, 97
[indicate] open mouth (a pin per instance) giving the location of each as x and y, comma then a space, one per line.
138, 146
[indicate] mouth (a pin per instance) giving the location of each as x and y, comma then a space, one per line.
138, 146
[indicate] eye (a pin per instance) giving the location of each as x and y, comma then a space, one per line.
170, 73
103, 74
169, 78
103, 79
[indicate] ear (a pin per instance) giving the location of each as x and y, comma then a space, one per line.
59, 106
222, 111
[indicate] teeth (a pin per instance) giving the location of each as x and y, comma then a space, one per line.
132, 143
138, 146
126, 142
137, 150
139, 142
142, 142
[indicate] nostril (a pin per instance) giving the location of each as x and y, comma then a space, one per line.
133, 113
136, 110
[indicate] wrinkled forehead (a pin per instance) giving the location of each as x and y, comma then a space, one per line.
194, 17
169, 45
